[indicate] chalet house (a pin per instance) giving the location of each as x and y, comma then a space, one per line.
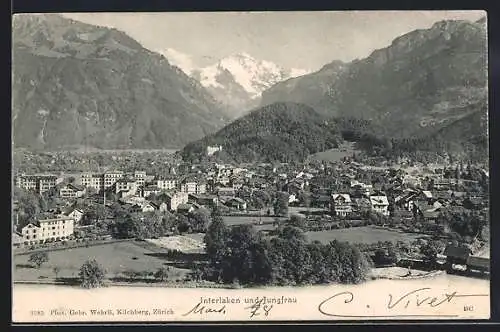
380, 204
480, 264
236, 203
54, 228
76, 214
71, 191
204, 200
149, 207
429, 212
176, 199
406, 201
456, 255
133, 200
185, 208
148, 190
160, 206
341, 204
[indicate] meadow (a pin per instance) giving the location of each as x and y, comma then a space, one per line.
116, 258
366, 234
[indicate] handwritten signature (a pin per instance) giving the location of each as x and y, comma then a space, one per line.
413, 299
202, 309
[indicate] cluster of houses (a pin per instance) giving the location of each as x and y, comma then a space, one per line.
190, 186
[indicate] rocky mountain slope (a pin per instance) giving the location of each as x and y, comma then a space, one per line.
77, 84
422, 83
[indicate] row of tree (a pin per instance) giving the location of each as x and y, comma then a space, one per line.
243, 255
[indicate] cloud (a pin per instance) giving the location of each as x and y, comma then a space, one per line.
179, 59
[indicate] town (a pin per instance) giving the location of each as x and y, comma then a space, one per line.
425, 218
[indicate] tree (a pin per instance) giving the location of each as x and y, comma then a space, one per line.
91, 274
244, 255
199, 220
216, 237
161, 274
56, 270
281, 204
38, 258
305, 199
298, 221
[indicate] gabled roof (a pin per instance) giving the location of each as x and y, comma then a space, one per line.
345, 197
154, 205
237, 199
379, 200
184, 206
76, 187
456, 252
427, 193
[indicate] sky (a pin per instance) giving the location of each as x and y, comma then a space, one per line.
303, 40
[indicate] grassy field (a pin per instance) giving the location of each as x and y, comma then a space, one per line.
240, 220
366, 235
115, 258
334, 155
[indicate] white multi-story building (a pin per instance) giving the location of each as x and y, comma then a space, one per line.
167, 183
213, 149
91, 180
194, 187
111, 177
140, 178
39, 183
46, 229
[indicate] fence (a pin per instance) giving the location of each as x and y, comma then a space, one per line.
26, 251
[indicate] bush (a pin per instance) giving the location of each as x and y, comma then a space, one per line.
38, 258
162, 274
91, 274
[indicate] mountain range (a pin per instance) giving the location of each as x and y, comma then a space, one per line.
428, 88
77, 84
236, 81
424, 81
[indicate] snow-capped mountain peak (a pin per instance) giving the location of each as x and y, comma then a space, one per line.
236, 81
253, 75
